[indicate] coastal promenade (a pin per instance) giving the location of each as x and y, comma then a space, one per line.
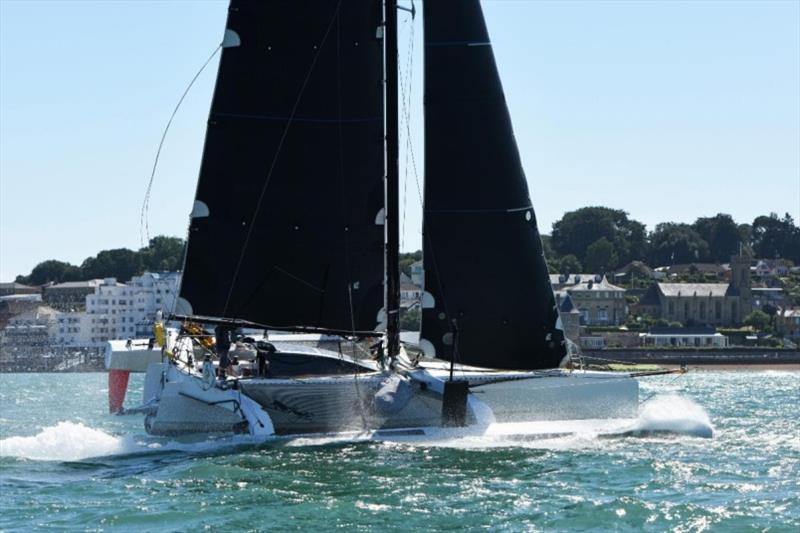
732, 356
54, 359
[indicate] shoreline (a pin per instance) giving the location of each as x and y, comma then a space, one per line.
744, 367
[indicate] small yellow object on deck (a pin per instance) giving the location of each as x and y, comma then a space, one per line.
160, 334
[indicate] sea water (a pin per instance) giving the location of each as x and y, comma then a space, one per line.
67, 464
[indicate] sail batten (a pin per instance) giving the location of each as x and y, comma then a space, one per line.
292, 171
490, 303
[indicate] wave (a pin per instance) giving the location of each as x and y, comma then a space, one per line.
671, 413
666, 414
73, 441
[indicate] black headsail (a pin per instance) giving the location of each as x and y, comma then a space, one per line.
287, 227
484, 269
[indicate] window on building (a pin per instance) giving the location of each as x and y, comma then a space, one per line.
718, 310
702, 310
686, 309
671, 308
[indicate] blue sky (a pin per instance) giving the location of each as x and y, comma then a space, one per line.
668, 110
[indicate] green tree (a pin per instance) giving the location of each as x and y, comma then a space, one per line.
51, 270
577, 230
601, 256
408, 259
410, 320
746, 238
673, 243
119, 263
722, 235
776, 237
758, 320
772, 312
547, 247
569, 264
163, 254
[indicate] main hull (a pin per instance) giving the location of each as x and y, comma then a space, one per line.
348, 403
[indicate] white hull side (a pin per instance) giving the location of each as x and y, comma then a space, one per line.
186, 405
570, 397
134, 358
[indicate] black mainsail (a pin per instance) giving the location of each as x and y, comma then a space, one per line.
489, 302
287, 228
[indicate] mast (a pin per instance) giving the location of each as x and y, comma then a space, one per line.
392, 185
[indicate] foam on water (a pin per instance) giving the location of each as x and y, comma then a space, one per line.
673, 414
667, 414
73, 441
66, 441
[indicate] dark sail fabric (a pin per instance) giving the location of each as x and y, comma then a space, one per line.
484, 267
286, 229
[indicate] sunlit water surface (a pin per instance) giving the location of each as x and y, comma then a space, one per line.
66, 464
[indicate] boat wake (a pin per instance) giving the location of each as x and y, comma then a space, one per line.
73, 441
671, 414
663, 415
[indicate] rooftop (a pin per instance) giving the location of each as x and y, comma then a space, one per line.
602, 285
88, 284
14, 285
571, 279
682, 331
21, 298
694, 289
567, 305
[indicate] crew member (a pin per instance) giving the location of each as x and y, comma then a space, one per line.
222, 336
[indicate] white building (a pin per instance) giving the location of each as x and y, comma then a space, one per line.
153, 292
119, 311
690, 337
417, 274
28, 333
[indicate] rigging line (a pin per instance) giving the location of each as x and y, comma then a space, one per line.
406, 115
343, 200
251, 225
425, 234
144, 223
427, 237
410, 152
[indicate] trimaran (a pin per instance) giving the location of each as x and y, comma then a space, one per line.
295, 227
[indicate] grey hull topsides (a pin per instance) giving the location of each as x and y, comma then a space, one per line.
341, 404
